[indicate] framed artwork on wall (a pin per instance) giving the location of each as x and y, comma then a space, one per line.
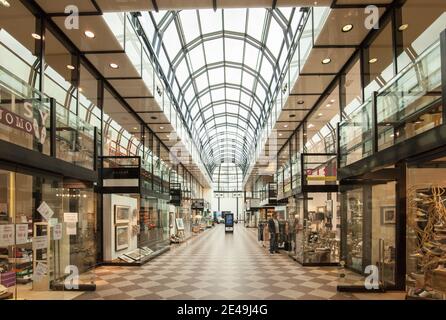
121, 237
122, 214
388, 215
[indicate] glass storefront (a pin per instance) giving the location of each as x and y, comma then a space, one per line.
47, 236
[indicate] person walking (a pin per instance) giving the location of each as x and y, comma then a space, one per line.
273, 228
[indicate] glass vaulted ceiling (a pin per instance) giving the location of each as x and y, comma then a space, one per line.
223, 68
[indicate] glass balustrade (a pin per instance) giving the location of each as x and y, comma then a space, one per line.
410, 104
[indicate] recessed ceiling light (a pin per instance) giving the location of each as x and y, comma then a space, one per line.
114, 66
285, 126
403, 27
89, 34
373, 60
320, 114
280, 134
135, 128
311, 126
80, 89
70, 67
326, 61
347, 28
36, 36
300, 102
167, 135
328, 105
161, 128
153, 118
5, 3
292, 115
333, 100
388, 124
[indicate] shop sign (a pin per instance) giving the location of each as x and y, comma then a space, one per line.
6, 235
27, 123
321, 174
21, 233
57, 231
40, 242
45, 211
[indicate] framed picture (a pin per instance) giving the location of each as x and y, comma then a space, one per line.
122, 214
180, 224
388, 215
121, 237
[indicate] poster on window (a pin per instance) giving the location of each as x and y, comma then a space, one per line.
6, 235
40, 242
45, 211
57, 231
21, 233
40, 271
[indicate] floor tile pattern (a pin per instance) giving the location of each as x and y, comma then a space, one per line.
218, 266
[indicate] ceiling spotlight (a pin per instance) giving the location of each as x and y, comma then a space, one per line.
373, 60
161, 128
280, 134
36, 36
403, 27
70, 67
333, 100
89, 34
285, 126
320, 114
328, 105
114, 66
310, 126
5, 3
326, 61
347, 28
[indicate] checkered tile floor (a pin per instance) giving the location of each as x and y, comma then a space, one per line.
218, 266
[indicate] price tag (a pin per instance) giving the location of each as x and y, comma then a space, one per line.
21, 233
45, 211
7, 235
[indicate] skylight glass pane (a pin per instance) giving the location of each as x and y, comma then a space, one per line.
216, 76
208, 114
232, 108
235, 20
172, 41
256, 19
275, 38
232, 94
243, 113
197, 58
232, 120
202, 82
266, 71
205, 100
210, 21
234, 50
245, 99
247, 80
214, 50
218, 94
233, 75
251, 56
182, 73
189, 24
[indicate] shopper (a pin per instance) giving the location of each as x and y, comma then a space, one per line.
273, 228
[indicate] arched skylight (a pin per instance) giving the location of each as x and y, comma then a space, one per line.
223, 67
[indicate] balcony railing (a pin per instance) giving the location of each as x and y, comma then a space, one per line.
408, 105
34, 121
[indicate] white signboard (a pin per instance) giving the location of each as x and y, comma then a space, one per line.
40, 242
21, 233
71, 228
57, 231
7, 235
45, 211
70, 217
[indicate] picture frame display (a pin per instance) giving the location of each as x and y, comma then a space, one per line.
121, 237
122, 214
388, 215
180, 224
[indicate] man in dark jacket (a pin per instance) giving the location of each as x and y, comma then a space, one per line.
273, 228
